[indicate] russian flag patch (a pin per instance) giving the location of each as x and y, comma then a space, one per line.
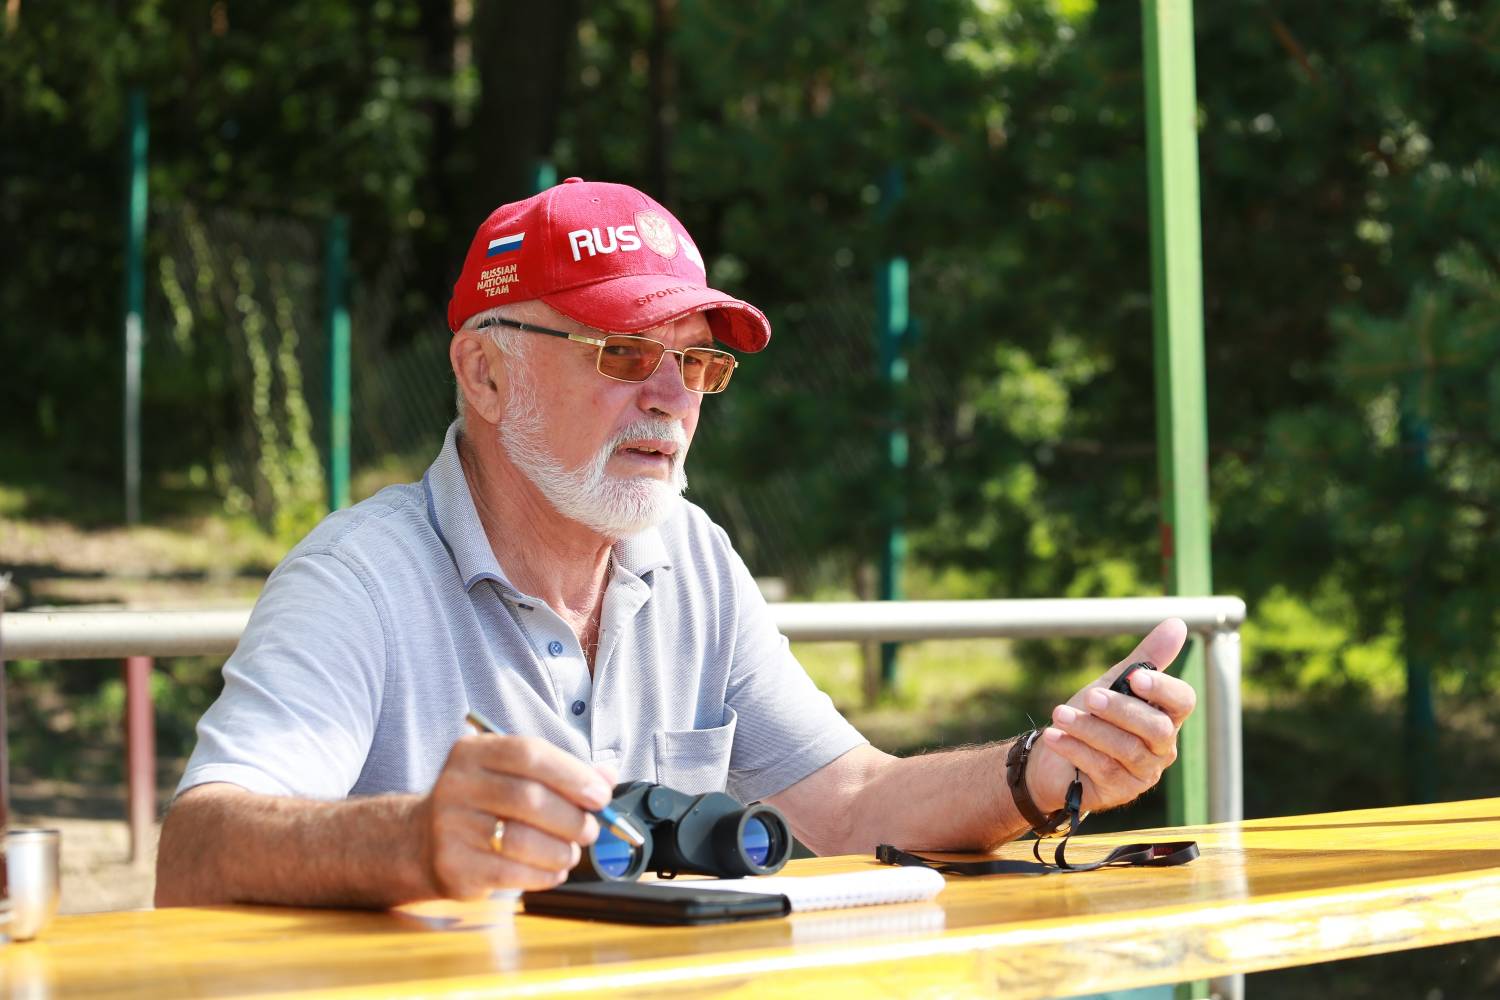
504, 244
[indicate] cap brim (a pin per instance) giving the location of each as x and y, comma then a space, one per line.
635, 302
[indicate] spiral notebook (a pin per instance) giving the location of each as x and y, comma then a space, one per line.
832, 892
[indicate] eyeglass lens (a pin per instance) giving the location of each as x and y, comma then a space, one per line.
635, 359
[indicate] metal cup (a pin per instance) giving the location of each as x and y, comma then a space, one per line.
31, 860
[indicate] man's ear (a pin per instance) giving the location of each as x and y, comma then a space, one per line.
480, 381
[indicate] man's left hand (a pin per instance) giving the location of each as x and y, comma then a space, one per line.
1119, 743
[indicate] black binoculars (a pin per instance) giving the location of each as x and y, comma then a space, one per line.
711, 834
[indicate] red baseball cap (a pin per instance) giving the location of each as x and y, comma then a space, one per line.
605, 255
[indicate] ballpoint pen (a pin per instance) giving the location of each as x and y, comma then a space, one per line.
617, 824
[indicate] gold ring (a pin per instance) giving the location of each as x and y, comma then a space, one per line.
497, 836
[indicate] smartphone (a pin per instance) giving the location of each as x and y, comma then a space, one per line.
647, 903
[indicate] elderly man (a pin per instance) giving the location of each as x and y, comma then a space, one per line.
546, 573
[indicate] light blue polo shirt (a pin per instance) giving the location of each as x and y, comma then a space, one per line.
392, 619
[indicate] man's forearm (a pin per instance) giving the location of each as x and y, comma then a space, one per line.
955, 800
952, 801
221, 844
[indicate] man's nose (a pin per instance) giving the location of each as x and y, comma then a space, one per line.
665, 391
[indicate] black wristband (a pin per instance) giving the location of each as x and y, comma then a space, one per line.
1015, 776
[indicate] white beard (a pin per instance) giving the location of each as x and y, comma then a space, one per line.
616, 507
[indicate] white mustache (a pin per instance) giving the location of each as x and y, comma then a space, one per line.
658, 428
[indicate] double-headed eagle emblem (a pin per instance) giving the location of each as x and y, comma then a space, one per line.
656, 233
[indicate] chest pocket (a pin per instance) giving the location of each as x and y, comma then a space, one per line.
696, 760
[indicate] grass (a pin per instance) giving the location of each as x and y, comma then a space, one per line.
194, 560
936, 687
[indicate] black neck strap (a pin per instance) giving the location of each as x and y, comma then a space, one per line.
1178, 852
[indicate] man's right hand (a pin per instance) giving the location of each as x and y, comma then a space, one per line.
543, 795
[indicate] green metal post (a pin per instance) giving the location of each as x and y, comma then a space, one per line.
336, 324
544, 175
893, 317
1181, 414
136, 134
1420, 732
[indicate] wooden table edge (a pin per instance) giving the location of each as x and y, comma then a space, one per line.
1058, 957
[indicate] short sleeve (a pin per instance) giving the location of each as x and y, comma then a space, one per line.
302, 690
787, 728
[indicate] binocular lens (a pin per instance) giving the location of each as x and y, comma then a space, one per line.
612, 856
755, 839
709, 834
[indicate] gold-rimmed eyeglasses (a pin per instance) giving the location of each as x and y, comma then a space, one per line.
628, 358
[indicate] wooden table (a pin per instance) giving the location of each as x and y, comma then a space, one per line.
1265, 894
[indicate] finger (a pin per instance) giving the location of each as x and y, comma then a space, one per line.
508, 797
469, 873
1153, 727
525, 844
1107, 783
1172, 695
1159, 648
540, 761
1124, 747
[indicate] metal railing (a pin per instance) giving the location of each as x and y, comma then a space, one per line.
56, 635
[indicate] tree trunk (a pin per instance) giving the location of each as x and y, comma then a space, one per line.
662, 87
522, 52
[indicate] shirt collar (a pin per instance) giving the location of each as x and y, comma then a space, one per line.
642, 553
450, 507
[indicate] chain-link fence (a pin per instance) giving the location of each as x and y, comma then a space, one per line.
238, 299
235, 303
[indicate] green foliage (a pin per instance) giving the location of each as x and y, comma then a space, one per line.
1380, 481
289, 109
67, 719
247, 311
1309, 645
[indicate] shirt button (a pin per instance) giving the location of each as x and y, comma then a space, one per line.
555, 648
578, 707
